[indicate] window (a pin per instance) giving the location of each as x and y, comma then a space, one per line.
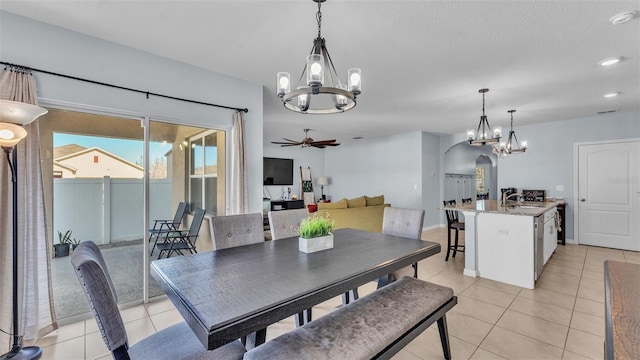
206, 174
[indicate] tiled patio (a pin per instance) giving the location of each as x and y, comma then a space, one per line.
563, 318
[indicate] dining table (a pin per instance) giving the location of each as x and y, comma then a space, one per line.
237, 292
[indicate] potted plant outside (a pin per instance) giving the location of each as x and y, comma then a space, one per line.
61, 249
74, 243
316, 234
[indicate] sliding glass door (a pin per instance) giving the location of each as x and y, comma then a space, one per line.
95, 174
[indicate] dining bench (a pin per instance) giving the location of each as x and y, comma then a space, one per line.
376, 326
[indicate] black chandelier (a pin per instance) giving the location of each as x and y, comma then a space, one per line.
484, 135
330, 95
512, 146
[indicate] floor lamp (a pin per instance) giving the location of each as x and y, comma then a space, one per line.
322, 181
13, 115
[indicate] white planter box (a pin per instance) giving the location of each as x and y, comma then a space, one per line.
315, 244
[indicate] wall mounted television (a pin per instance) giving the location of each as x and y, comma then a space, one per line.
277, 171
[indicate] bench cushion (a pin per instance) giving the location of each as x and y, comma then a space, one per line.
361, 329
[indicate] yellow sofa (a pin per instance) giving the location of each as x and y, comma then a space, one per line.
353, 213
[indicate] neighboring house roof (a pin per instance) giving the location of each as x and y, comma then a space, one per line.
67, 167
64, 150
84, 150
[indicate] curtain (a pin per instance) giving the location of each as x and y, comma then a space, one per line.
35, 305
238, 196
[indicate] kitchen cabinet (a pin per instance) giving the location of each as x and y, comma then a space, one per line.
550, 234
509, 242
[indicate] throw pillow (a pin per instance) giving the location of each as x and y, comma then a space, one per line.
342, 204
357, 202
375, 200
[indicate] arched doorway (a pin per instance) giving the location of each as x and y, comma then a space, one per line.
460, 163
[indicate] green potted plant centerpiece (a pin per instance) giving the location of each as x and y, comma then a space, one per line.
64, 242
316, 234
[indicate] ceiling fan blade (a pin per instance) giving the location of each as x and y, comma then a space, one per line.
334, 144
283, 145
280, 142
294, 141
324, 142
319, 146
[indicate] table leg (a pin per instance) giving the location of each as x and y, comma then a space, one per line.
350, 296
254, 339
303, 317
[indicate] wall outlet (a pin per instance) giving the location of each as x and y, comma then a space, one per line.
559, 187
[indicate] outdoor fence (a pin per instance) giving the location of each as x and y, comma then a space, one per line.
107, 210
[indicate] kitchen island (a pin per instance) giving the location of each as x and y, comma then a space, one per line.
508, 243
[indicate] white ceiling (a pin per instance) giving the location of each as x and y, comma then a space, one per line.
422, 61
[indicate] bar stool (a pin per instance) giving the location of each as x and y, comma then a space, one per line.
453, 224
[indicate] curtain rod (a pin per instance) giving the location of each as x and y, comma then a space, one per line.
147, 93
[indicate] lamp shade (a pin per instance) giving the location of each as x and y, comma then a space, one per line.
11, 134
322, 180
20, 113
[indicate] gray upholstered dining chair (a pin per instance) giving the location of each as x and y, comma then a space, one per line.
175, 342
286, 223
237, 230
405, 223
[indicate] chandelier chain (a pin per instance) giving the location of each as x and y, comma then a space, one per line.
319, 19
483, 104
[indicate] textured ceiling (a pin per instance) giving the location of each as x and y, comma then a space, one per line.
422, 61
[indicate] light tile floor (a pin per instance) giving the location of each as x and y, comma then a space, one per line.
563, 318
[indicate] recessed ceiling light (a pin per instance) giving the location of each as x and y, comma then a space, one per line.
610, 95
609, 61
622, 18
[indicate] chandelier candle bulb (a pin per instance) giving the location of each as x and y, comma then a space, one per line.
497, 132
315, 73
341, 100
354, 80
524, 144
470, 134
284, 83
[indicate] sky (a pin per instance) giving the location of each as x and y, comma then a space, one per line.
130, 150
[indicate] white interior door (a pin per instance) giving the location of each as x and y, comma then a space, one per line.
609, 195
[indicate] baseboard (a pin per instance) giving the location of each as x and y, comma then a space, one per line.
472, 273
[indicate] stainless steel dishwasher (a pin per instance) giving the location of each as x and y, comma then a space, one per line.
538, 226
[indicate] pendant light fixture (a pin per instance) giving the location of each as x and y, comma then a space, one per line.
484, 135
321, 92
512, 146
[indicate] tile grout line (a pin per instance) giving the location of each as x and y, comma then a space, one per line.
566, 339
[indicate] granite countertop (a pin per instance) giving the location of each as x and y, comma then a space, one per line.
512, 208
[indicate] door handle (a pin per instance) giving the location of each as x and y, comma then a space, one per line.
583, 200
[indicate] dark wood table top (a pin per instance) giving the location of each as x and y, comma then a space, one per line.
226, 294
622, 305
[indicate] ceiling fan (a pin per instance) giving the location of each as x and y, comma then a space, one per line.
307, 142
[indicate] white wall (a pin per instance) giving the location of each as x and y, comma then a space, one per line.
42, 46
307, 157
431, 179
390, 165
548, 161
